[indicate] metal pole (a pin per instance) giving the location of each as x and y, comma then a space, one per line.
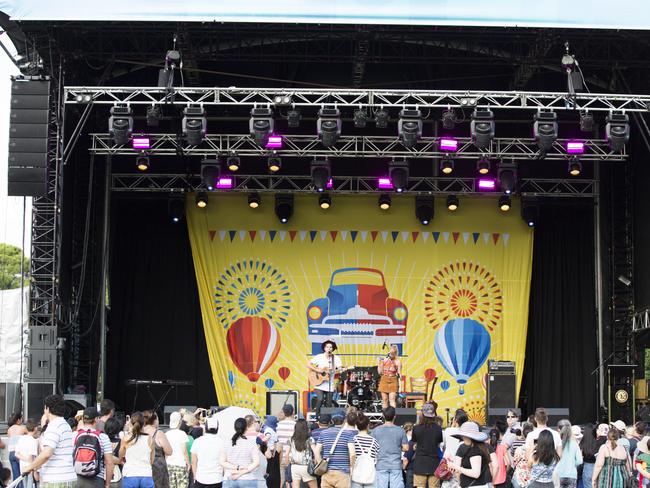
101, 370
599, 285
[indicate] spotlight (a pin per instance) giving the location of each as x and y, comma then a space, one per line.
83, 98
447, 166
225, 183
328, 125
545, 130
529, 211
381, 118
617, 130
448, 144
261, 124
233, 163
448, 119
176, 207
483, 166
120, 124
487, 184
384, 201
504, 203
274, 142
398, 172
507, 176
284, 206
194, 125
321, 172
254, 200
274, 164
424, 209
409, 127
360, 118
586, 122
453, 203
154, 114
201, 199
142, 162
210, 171
324, 201
384, 183
575, 166
141, 143
293, 118
575, 147
482, 128
282, 100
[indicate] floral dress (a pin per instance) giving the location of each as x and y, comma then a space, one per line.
522, 473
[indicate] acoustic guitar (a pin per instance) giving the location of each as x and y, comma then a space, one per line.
318, 378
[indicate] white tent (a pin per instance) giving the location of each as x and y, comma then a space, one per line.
12, 323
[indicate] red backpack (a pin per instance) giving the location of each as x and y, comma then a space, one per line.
87, 453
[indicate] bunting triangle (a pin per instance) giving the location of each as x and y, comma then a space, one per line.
303, 234
445, 236
312, 235
415, 235
242, 235
353, 235
344, 235
436, 236
465, 237
495, 237
475, 236
292, 235
506, 238
425, 236
405, 235
323, 235
364, 236
283, 235
232, 234
394, 234
272, 234
262, 235
252, 234
373, 235
384, 235
455, 236
222, 235
212, 234
486, 237
334, 233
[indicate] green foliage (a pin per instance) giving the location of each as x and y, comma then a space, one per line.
10, 267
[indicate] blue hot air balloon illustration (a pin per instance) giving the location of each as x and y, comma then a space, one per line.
269, 383
231, 379
444, 385
462, 346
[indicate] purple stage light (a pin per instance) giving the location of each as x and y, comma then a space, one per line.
141, 143
575, 147
384, 184
330, 183
225, 183
487, 184
448, 144
274, 142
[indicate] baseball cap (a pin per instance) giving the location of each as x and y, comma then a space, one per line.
90, 413
212, 423
338, 414
174, 420
429, 410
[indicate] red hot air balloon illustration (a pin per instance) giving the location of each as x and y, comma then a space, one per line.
429, 374
284, 373
253, 344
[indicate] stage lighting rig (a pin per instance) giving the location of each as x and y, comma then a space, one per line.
283, 206
575, 166
617, 130
449, 119
254, 200
233, 163
194, 125
328, 125
586, 122
384, 201
120, 124
507, 176
201, 199
154, 114
409, 127
530, 211
282, 100
274, 163
176, 207
504, 203
447, 166
453, 203
261, 124
166, 74
142, 162
545, 130
482, 128
483, 166
293, 118
321, 172
381, 118
324, 201
360, 118
424, 208
398, 172
210, 173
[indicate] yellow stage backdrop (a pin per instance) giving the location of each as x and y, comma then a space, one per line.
452, 294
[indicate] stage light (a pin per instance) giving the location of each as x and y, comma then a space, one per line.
575, 147
210, 171
398, 173
274, 142
282, 100
381, 118
142, 162
504, 203
453, 203
384, 184
384, 201
83, 98
225, 183
176, 207
483, 166
448, 144
487, 184
507, 176
586, 122
409, 127
120, 124
424, 209
324, 201
274, 164
575, 166
448, 119
261, 124
254, 200
328, 125
154, 114
482, 128
321, 172
617, 130
201, 199
360, 118
283, 207
194, 125
447, 166
293, 118
545, 130
529, 211
141, 143
233, 163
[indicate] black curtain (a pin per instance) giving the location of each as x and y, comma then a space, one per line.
562, 324
156, 331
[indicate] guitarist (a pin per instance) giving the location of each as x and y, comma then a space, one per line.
325, 364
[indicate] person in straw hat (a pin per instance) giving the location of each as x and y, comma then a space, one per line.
472, 461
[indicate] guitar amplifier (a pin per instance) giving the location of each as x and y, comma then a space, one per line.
501, 367
276, 399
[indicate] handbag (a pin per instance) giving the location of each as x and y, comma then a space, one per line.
442, 472
321, 467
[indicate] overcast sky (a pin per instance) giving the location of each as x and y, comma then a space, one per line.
11, 208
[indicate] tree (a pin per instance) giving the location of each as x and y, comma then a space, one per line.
10, 266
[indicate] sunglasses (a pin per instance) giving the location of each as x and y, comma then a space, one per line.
511, 416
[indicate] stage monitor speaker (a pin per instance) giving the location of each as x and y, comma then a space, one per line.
169, 409
404, 415
35, 394
276, 399
499, 413
501, 391
555, 415
28, 138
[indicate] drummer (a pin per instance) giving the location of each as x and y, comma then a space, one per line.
390, 369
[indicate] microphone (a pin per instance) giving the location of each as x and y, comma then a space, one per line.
385, 345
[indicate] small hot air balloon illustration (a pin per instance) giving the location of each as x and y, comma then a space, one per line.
231, 379
269, 383
429, 374
284, 373
462, 346
253, 344
444, 385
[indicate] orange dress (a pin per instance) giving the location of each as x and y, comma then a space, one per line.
388, 382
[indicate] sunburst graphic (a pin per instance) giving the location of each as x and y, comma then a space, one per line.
252, 288
463, 290
475, 410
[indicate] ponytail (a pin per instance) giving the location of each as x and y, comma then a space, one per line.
137, 424
612, 437
240, 428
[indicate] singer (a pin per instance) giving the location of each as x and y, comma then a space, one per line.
390, 369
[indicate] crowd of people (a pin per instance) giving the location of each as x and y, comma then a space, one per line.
96, 449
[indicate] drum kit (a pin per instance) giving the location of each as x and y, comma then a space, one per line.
360, 388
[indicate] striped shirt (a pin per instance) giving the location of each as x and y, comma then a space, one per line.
242, 454
59, 468
285, 432
340, 459
366, 443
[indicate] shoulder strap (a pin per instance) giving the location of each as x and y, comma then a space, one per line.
361, 448
336, 441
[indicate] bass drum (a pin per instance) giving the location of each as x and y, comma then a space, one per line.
360, 396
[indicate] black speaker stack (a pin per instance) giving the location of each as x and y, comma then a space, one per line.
501, 389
